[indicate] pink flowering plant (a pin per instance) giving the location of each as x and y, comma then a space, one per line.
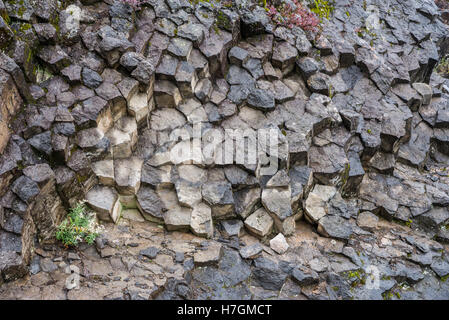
289, 16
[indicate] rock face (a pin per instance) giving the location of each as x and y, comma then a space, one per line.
215, 119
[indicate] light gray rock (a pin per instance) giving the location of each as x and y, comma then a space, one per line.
201, 222
277, 202
259, 223
279, 244
251, 251
210, 256
317, 200
367, 220
178, 219
103, 200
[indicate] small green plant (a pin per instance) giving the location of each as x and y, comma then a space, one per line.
79, 226
408, 223
322, 8
356, 277
443, 67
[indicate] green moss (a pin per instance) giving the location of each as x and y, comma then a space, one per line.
24, 27
356, 277
408, 223
387, 295
29, 56
20, 165
21, 11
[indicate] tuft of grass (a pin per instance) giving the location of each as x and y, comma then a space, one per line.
79, 226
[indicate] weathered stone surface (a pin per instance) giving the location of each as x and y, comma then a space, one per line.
103, 200
251, 252
305, 277
150, 204
316, 202
219, 196
201, 221
260, 99
279, 244
335, 227
232, 228
189, 193
178, 218
127, 173
166, 94
210, 256
277, 203
260, 223
367, 220
107, 87
25, 188
215, 48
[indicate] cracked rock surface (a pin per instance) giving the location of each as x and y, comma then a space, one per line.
359, 120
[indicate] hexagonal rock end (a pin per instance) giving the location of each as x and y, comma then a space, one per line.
104, 201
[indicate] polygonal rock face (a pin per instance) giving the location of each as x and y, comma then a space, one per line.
127, 174
150, 205
246, 200
284, 56
189, 193
316, 202
260, 223
335, 227
260, 99
251, 252
210, 256
104, 170
201, 222
159, 177
25, 188
219, 196
166, 118
178, 219
103, 200
180, 48
166, 94
139, 107
133, 89
277, 202
279, 244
